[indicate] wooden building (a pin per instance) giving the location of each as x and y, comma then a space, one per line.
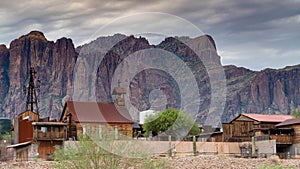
291, 149
294, 125
210, 134
48, 135
42, 134
119, 93
96, 118
22, 126
21, 151
244, 126
33, 133
29, 115
210, 137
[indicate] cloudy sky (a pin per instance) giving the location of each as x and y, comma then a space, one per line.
255, 34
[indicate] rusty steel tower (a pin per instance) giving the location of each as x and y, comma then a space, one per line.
31, 89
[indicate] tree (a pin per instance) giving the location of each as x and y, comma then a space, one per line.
296, 113
3, 135
171, 121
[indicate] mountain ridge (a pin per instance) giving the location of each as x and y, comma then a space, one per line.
59, 63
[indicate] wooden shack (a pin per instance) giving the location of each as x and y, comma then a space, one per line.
22, 126
97, 118
119, 93
48, 135
22, 151
210, 134
241, 128
293, 147
292, 124
29, 115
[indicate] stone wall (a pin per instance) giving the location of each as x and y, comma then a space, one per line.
265, 148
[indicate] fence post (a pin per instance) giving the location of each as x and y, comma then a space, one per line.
170, 146
83, 129
253, 146
194, 146
116, 133
100, 132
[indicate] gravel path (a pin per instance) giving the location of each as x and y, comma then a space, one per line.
26, 165
197, 162
222, 162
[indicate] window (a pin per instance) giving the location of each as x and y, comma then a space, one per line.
44, 129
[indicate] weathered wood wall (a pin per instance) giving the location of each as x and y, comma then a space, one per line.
124, 129
239, 129
47, 148
296, 137
25, 130
34, 116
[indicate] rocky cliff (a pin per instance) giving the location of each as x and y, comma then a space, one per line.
54, 62
4, 62
148, 68
90, 72
268, 91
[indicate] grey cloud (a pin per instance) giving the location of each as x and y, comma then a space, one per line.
243, 26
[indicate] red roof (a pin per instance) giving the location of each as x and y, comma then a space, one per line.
289, 122
98, 112
269, 117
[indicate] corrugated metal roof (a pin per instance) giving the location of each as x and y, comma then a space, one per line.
268, 117
48, 123
19, 144
289, 122
98, 112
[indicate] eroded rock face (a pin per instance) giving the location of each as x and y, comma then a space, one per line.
54, 63
268, 91
4, 65
87, 73
171, 54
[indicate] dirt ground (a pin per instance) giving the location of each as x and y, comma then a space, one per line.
193, 162
222, 162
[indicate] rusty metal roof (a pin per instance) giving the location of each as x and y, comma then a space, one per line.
289, 122
268, 117
98, 112
19, 144
49, 123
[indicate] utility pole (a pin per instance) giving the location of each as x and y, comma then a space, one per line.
31, 89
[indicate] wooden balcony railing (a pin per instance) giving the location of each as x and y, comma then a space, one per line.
282, 139
261, 138
49, 135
